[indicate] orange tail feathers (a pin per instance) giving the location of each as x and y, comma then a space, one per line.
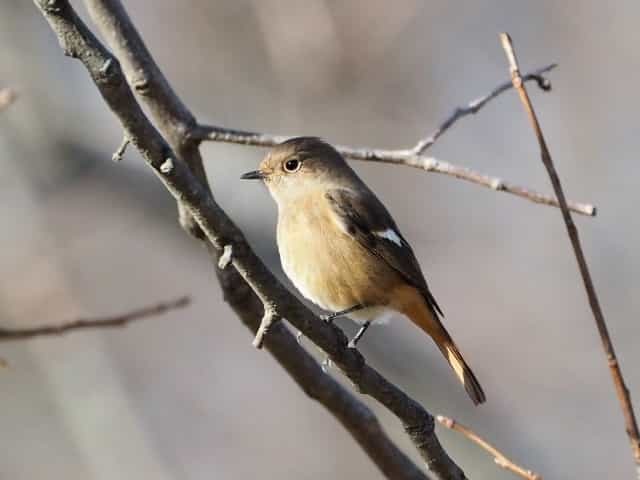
463, 371
427, 319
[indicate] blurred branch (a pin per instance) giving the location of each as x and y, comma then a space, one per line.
7, 97
621, 389
8, 334
195, 197
414, 157
498, 457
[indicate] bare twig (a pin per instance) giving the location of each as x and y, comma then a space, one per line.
7, 97
269, 318
616, 373
413, 157
475, 105
498, 457
77, 41
8, 334
119, 153
225, 257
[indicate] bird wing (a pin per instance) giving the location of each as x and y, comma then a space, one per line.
364, 218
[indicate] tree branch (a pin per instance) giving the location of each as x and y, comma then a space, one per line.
7, 97
354, 415
173, 118
616, 373
79, 42
498, 457
413, 157
475, 105
9, 334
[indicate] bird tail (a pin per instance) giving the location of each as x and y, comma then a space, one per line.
427, 319
462, 371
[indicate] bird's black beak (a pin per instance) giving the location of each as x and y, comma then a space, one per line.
255, 175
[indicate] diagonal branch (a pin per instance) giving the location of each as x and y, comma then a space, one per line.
77, 41
172, 116
354, 415
414, 157
616, 373
475, 105
498, 457
8, 334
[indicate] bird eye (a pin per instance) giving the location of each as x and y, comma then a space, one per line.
292, 165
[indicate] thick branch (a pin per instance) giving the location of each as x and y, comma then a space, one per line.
173, 118
8, 334
79, 42
414, 157
354, 415
498, 457
616, 373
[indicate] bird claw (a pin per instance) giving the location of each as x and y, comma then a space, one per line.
299, 337
327, 318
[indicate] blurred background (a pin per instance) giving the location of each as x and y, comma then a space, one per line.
185, 395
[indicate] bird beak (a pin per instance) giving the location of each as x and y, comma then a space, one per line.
255, 175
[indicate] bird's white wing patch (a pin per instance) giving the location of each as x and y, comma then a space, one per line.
391, 235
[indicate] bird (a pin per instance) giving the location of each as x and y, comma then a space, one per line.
342, 250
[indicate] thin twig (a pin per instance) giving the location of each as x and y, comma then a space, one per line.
498, 457
7, 97
119, 153
413, 157
269, 318
616, 373
8, 334
225, 258
475, 105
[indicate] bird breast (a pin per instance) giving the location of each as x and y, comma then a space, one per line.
328, 266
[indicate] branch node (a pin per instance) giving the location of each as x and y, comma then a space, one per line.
141, 86
226, 257
497, 184
106, 66
327, 364
167, 166
446, 421
119, 153
268, 319
51, 6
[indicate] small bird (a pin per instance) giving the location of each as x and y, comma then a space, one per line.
342, 250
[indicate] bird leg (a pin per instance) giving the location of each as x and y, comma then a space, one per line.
332, 316
358, 336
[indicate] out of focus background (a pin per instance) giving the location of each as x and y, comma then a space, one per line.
186, 396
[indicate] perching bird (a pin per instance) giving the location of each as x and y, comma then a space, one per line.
342, 250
